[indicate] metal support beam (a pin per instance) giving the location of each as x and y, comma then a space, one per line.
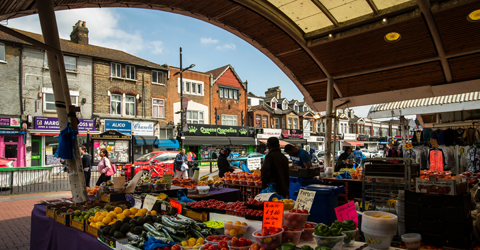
373, 6
30, 40
437, 40
326, 12
61, 93
328, 131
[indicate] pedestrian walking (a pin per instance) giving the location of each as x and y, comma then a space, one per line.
104, 167
87, 164
181, 164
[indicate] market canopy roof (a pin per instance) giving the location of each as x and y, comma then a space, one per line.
375, 51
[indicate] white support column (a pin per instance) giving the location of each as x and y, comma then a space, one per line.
328, 131
61, 93
335, 126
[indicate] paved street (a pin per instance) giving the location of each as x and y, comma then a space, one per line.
15, 212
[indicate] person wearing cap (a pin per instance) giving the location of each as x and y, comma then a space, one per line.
275, 168
300, 157
223, 164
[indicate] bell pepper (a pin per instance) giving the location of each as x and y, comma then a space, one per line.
322, 230
336, 224
306, 247
336, 231
349, 225
288, 246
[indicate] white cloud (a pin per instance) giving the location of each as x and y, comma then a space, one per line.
227, 46
157, 47
103, 26
207, 41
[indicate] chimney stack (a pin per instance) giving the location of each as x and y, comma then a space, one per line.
274, 92
79, 34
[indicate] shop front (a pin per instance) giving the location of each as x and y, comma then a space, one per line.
202, 140
350, 140
44, 139
262, 136
12, 141
294, 136
118, 146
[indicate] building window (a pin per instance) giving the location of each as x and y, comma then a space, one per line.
277, 123
49, 99
116, 104
229, 93
70, 63
368, 130
394, 132
130, 72
260, 102
2, 52
130, 105
265, 121
295, 108
166, 133
249, 101
384, 131
157, 77
376, 131
283, 123
194, 117
284, 105
258, 121
191, 87
116, 70
289, 123
295, 123
229, 120
158, 107
274, 105
311, 126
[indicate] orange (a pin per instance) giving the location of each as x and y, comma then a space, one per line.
233, 233
143, 211
100, 218
237, 223
138, 214
133, 210
98, 214
126, 212
112, 214
244, 224
107, 220
120, 217
104, 214
153, 212
117, 210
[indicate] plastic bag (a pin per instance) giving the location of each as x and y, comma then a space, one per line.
244, 167
153, 244
271, 189
184, 167
65, 142
345, 175
182, 197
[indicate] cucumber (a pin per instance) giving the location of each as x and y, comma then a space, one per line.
151, 230
181, 232
177, 238
167, 235
185, 218
165, 240
179, 221
201, 224
196, 227
132, 237
196, 234
169, 223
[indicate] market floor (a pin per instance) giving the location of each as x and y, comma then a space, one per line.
15, 213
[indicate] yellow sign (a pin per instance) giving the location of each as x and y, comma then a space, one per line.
216, 178
408, 146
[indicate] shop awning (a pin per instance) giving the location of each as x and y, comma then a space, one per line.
238, 141
282, 143
168, 144
354, 143
206, 140
296, 141
146, 140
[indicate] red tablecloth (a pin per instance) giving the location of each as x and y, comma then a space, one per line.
47, 234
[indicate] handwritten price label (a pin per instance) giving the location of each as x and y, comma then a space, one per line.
347, 212
167, 178
408, 146
176, 205
304, 200
149, 202
216, 178
263, 197
272, 214
138, 203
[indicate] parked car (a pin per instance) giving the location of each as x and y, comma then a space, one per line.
367, 153
157, 162
6, 163
378, 153
245, 157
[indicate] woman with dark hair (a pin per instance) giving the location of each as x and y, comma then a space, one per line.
104, 167
223, 164
345, 160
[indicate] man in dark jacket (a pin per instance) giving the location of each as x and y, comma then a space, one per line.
223, 164
275, 168
87, 164
180, 159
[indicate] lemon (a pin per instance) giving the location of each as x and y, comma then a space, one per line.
153, 212
133, 210
200, 241
198, 245
112, 214
120, 217
107, 220
184, 244
126, 212
104, 214
143, 211
117, 210
138, 214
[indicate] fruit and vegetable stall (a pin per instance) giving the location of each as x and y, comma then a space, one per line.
145, 214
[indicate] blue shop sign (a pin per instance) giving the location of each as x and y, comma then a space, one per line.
124, 127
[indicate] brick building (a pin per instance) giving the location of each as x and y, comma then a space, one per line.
260, 116
229, 97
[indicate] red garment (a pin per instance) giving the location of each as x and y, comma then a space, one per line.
436, 160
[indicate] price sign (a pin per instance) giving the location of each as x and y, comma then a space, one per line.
272, 214
133, 183
304, 199
176, 205
408, 146
138, 203
149, 202
164, 207
216, 178
167, 178
347, 212
118, 182
263, 197
254, 163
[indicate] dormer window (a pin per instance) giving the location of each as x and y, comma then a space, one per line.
295, 108
284, 106
274, 104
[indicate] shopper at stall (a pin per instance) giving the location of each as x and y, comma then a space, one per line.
275, 168
358, 156
300, 157
87, 165
223, 164
104, 167
180, 159
345, 160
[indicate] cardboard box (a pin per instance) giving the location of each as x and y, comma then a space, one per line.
112, 196
109, 241
441, 186
63, 219
121, 245
78, 225
91, 230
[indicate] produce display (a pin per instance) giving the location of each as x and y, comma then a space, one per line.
92, 190
214, 224
241, 178
382, 217
240, 244
237, 208
308, 230
252, 201
425, 174
99, 218
217, 238
291, 235
235, 229
295, 218
268, 238
254, 212
208, 204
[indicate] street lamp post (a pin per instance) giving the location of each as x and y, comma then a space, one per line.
183, 111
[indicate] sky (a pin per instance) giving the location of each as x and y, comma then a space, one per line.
156, 36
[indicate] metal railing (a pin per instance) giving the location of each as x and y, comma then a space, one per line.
22, 180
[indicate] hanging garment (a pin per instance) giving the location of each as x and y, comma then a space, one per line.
427, 134
459, 137
463, 158
472, 166
449, 157
438, 135
417, 138
436, 160
469, 136
449, 137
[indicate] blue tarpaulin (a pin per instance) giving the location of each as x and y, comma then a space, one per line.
146, 140
168, 144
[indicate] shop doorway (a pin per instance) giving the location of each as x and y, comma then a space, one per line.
36, 154
10, 148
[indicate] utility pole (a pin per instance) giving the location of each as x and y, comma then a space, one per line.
65, 110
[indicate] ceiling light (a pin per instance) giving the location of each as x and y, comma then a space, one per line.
392, 37
474, 16
330, 35
384, 20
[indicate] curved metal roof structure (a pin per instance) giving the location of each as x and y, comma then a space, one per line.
436, 51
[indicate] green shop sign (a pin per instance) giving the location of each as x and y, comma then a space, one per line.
218, 130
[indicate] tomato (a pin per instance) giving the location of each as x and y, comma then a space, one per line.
255, 247
234, 241
209, 238
176, 247
216, 237
212, 247
305, 211
165, 248
242, 242
223, 244
207, 246
224, 248
249, 242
